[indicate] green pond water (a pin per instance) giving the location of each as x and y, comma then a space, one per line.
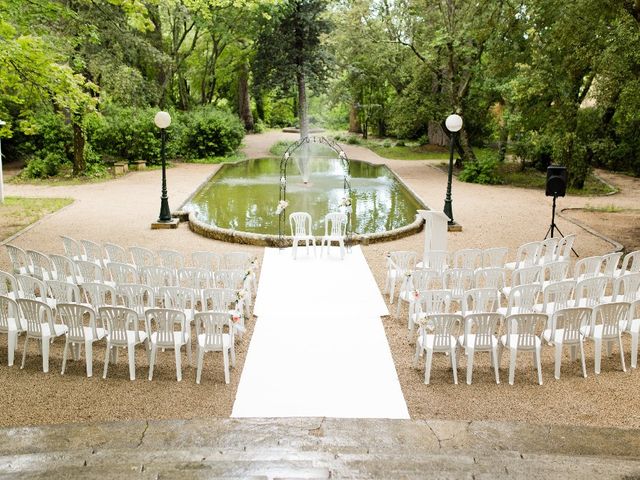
244, 196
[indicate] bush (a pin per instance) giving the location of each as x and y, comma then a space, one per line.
353, 140
400, 143
209, 132
483, 171
259, 126
43, 166
386, 143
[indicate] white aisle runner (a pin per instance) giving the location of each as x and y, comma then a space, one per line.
319, 346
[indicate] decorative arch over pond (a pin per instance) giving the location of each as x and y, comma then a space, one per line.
304, 144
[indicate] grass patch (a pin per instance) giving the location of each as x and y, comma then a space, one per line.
17, 213
611, 208
410, 152
278, 148
233, 158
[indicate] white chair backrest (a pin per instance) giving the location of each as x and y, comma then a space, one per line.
19, 259
437, 260
93, 251
467, 258
72, 248
193, 277
117, 321
142, 257
525, 275
484, 327
610, 263
166, 323
564, 247
548, 250
525, 328
609, 315
626, 288
122, 272
73, 316
558, 293
136, 296
589, 292
219, 299
300, 223
8, 285
587, 267
443, 327
236, 261
180, 298
171, 259
43, 267
335, 224
63, 292
630, 263
206, 260
402, 262
116, 253
571, 321
555, 271
424, 279
480, 300
8, 314
490, 277
458, 280
494, 257
65, 268
523, 297
528, 254
211, 325
32, 288
98, 294
36, 313
433, 301
157, 277
230, 279
89, 271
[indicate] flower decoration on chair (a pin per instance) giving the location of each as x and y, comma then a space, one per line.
345, 203
282, 204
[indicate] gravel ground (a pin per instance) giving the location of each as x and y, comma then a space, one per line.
121, 211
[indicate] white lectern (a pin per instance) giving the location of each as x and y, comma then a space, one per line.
435, 230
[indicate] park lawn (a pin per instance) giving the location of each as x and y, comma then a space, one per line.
17, 213
417, 152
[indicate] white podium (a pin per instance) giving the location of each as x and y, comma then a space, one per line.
435, 230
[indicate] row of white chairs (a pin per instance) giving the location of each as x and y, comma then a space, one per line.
335, 230
119, 326
494, 332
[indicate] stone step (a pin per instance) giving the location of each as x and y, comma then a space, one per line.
317, 448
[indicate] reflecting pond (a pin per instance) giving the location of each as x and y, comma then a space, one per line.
244, 196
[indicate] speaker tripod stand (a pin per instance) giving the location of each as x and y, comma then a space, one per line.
553, 227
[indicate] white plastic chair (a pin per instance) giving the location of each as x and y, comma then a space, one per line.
171, 259
43, 268
168, 330
123, 331
180, 298
605, 327
590, 291
8, 285
34, 289
626, 288
428, 302
219, 299
556, 296
522, 337
565, 244
93, 252
609, 264
481, 335
211, 338
157, 277
437, 260
11, 324
98, 295
136, 296
63, 292
19, 260
416, 281
196, 278
467, 258
116, 253
438, 333
142, 257
89, 272
241, 261
301, 228
399, 265
526, 256
490, 277
122, 273
566, 330
630, 264
40, 326
335, 230
480, 300
80, 332
495, 257
587, 267
632, 327
209, 261
65, 268
458, 280
236, 280
553, 272
548, 251
523, 276
72, 248
521, 299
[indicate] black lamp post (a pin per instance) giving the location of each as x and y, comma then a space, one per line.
453, 124
162, 121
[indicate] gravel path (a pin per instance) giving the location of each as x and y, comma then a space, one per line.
122, 210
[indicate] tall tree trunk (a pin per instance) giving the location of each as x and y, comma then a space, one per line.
302, 105
464, 148
155, 37
354, 121
257, 96
244, 102
79, 162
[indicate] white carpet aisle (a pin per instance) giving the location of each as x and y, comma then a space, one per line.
318, 347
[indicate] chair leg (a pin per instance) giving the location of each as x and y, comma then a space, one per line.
200, 356
496, 365
152, 360
106, 360
45, 354
634, 349
416, 357
624, 367
398, 305
598, 353
454, 365
225, 361
512, 365
131, 351
609, 348
64, 355
232, 348
12, 341
558, 360
470, 354
584, 365
427, 369
88, 354
538, 365
178, 355
24, 353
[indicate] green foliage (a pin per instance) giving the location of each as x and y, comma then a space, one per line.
353, 140
209, 132
483, 171
278, 148
43, 167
